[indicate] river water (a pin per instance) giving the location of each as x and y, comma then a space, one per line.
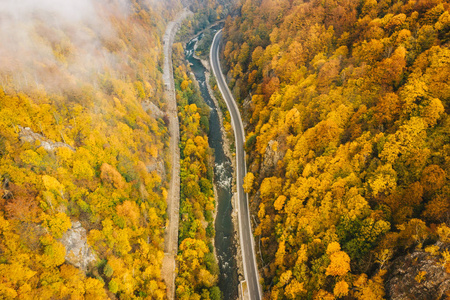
224, 240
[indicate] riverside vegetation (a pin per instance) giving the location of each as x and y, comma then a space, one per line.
197, 271
197, 267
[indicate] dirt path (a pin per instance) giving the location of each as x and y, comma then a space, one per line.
168, 271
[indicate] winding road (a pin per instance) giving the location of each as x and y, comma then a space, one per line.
245, 229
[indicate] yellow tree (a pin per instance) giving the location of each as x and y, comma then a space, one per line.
339, 264
248, 182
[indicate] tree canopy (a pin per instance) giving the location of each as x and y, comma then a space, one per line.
346, 105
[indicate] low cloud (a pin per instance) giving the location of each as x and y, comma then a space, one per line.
51, 42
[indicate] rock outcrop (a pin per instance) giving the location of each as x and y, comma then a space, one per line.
28, 135
152, 109
78, 252
418, 275
157, 164
271, 157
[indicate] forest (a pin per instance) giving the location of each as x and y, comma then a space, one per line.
83, 150
346, 105
206, 13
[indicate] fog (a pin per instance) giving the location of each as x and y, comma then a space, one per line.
53, 42
14, 11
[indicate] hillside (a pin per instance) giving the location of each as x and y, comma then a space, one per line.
83, 149
346, 105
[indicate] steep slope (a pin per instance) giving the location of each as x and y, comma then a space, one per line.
83, 149
346, 104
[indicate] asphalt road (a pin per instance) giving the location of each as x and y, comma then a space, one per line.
245, 229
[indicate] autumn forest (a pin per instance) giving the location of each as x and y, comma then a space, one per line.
346, 104
346, 108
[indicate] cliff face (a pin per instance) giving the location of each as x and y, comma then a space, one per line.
418, 275
78, 252
272, 156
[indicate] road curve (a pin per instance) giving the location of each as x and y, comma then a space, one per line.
245, 228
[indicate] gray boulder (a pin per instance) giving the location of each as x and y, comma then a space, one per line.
78, 252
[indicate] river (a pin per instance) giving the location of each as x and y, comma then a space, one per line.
223, 177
